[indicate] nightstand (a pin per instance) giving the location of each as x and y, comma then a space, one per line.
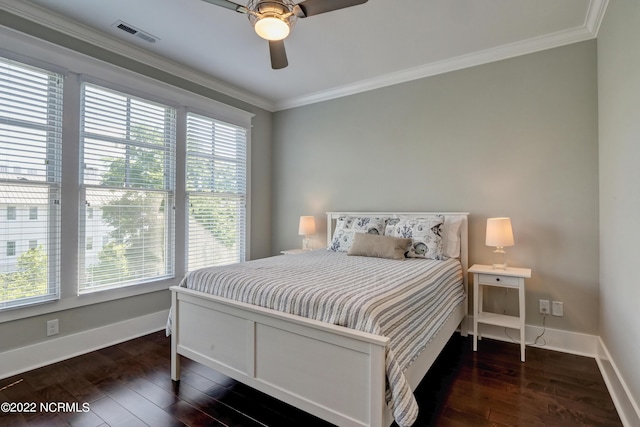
486, 275
293, 251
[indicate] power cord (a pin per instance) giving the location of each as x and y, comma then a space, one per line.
539, 341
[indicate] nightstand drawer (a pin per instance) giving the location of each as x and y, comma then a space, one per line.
488, 279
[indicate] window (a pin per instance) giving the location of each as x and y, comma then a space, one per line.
30, 161
11, 248
216, 192
128, 182
121, 197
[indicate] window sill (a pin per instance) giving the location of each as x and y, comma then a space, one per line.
71, 302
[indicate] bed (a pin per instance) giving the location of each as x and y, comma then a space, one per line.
339, 367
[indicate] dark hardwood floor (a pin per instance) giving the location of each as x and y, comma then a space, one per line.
129, 385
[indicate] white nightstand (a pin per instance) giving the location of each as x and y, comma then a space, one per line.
293, 251
486, 275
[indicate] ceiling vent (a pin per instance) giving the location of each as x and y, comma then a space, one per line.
135, 32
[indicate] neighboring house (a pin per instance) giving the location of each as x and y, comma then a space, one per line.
24, 222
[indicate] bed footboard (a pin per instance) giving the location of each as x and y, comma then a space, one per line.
335, 373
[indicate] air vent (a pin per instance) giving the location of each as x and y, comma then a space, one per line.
135, 32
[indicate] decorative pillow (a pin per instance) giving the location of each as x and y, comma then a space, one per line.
425, 234
373, 245
348, 226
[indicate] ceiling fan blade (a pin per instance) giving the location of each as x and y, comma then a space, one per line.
278, 54
316, 7
229, 5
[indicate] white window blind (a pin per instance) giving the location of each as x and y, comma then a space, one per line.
30, 180
128, 177
216, 192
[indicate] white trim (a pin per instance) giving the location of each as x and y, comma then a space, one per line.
499, 53
53, 57
554, 339
625, 404
34, 356
59, 23
44, 353
589, 30
595, 15
77, 66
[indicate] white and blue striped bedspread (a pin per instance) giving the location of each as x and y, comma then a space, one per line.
407, 301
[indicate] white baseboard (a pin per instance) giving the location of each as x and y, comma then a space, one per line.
34, 356
23, 359
583, 345
552, 339
626, 406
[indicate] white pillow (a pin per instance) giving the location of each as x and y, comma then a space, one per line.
451, 235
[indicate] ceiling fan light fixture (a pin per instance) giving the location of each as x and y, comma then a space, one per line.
272, 28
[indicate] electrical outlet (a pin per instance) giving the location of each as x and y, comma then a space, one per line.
52, 327
544, 306
557, 308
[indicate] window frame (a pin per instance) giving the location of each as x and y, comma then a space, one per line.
168, 185
243, 255
44, 100
77, 68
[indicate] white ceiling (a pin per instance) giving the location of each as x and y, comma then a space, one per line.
379, 43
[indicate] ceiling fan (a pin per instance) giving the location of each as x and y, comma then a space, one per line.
273, 19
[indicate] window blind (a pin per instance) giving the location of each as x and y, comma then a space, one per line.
30, 182
128, 177
216, 192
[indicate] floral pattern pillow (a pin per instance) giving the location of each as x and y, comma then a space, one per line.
347, 226
425, 235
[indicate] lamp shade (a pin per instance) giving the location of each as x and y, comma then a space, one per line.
499, 232
307, 226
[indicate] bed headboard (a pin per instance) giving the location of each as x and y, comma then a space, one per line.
332, 217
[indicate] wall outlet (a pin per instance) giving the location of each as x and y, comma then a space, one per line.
557, 308
544, 306
52, 327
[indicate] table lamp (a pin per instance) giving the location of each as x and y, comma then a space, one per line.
306, 228
499, 235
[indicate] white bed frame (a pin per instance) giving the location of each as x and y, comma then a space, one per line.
333, 372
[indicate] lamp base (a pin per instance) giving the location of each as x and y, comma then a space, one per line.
500, 257
306, 243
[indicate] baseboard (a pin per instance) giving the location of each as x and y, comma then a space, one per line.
34, 356
14, 362
626, 406
583, 345
552, 339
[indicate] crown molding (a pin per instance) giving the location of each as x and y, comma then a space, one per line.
595, 15
587, 31
82, 32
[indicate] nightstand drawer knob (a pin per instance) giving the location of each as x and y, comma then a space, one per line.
498, 280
